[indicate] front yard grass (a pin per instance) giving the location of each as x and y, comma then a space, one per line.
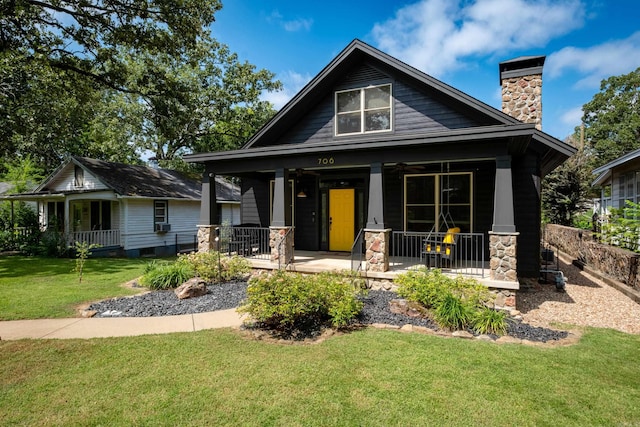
368, 377
37, 287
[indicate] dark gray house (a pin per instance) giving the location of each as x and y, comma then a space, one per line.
372, 144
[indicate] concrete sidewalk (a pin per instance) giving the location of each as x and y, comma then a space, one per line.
117, 326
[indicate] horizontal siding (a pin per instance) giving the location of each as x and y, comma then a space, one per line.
139, 233
414, 111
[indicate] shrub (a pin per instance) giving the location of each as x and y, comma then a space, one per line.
291, 301
166, 275
489, 321
214, 266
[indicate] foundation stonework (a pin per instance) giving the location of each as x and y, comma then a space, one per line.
521, 98
503, 261
281, 252
377, 249
207, 238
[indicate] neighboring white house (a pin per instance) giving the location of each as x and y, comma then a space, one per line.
137, 210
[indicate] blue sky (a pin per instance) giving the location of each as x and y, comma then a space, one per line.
460, 43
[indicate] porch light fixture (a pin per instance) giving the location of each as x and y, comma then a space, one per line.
301, 194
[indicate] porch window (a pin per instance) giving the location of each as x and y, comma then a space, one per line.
160, 211
435, 201
78, 178
363, 110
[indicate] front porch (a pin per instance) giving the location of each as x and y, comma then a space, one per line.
317, 262
465, 256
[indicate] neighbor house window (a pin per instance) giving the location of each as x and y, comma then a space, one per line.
363, 110
160, 211
438, 201
78, 180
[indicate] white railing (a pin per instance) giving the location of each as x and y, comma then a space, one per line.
97, 237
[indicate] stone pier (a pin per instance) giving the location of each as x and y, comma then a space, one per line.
281, 252
377, 249
502, 251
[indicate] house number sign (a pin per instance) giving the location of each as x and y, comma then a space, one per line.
326, 161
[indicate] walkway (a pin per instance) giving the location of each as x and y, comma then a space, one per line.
118, 326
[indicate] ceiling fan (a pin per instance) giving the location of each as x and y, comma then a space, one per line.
300, 172
403, 168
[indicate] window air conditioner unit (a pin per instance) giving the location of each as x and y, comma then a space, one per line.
162, 227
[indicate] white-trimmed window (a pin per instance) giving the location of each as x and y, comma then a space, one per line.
430, 200
160, 211
363, 110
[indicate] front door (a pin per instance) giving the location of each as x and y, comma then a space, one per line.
341, 219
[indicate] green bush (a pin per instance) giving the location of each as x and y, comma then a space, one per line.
291, 301
489, 321
166, 275
214, 267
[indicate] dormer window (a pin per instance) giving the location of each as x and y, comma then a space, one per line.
78, 180
363, 110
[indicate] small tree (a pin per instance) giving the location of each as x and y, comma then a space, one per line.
83, 251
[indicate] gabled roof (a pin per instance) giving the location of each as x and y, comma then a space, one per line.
618, 162
494, 123
356, 52
605, 172
139, 181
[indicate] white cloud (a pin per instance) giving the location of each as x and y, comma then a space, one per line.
438, 36
597, 62
572, 117
293, 25
292, 83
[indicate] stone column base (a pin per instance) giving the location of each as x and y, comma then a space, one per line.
377, 249
502, 251
207, 238
281, 253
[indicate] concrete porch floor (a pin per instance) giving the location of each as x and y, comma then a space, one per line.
316, 262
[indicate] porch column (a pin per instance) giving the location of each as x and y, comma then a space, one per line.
281, 231
208, 214
375, 212
281, 199
67, 219
375, 234
503, 237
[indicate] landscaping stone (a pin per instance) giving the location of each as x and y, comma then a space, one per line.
192, 288
462, 334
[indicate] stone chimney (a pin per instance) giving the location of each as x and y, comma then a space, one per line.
521, 81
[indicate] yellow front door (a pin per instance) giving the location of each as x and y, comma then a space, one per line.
341, 219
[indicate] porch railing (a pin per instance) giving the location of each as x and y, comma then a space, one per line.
466, 256
248, 242
104, 238
357, 252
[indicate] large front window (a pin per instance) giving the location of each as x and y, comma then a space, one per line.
438, 201
363, 110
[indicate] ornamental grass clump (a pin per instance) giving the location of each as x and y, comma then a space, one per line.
291, 302
166, 275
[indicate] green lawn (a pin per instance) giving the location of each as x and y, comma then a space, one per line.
366, 378
37, 287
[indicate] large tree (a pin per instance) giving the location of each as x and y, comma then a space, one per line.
612, 118
114, 79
